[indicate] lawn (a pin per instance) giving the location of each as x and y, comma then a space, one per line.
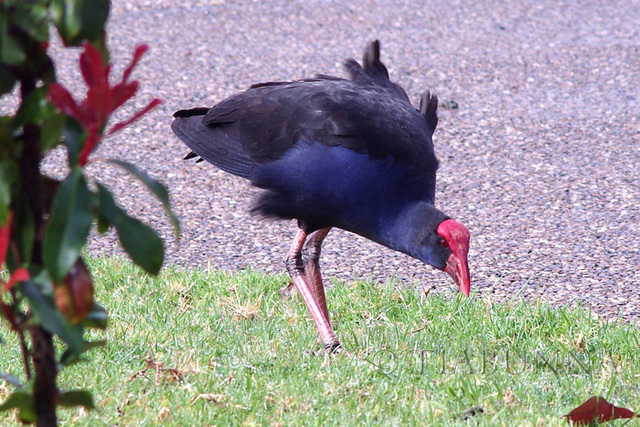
214, 348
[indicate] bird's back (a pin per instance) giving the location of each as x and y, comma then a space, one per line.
274, 134
367, 114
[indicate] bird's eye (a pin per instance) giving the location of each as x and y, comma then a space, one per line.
443, 243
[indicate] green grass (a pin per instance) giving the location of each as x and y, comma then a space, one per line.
196, 348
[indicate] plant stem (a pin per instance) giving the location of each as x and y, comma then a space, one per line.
23, 345
44, 364
43, 352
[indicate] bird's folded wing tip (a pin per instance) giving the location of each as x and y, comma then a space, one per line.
201, 111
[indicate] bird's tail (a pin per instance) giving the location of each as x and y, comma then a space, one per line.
371, 68
429, 109
211, 143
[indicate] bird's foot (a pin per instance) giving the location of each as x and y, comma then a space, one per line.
331, 349
334, 347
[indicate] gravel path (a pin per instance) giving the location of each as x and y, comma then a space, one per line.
541, 160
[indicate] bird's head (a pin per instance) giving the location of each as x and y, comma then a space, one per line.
455, 237
426, 233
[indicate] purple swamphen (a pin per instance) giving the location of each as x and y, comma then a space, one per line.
333, 152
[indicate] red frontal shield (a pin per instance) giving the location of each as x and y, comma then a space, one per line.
457, 236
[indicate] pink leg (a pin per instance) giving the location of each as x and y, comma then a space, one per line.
311, 258
295, 267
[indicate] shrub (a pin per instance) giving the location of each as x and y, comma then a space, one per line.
47, 290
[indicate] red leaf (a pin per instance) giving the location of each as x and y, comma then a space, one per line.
92, 66
5, 238
150, 106
61, 98
121, 93
598, 409
89, 145
140, 50
101, 99
19, 275
97, 104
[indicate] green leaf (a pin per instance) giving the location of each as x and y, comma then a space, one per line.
11, 50
7, 141
35, 108
18, 399
74, 137
51, 132
89, 345
22, 399
6, 178
93, 15
25, 233
73, 398
50, 317
103, 223
78, 20
142, 244
69, 358
7, 80
156, 188
108, 211
62, 14
32, 19
107, 207
68, 226
97, 318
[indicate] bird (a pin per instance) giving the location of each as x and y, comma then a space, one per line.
331, 152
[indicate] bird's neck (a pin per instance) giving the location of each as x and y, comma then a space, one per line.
402, 229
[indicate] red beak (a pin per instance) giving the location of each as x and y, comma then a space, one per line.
458, 269
457, 237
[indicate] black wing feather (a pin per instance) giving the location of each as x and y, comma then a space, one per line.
368, 114
429, 109
211, 143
